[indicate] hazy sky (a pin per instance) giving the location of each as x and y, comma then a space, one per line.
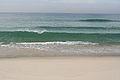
66, 6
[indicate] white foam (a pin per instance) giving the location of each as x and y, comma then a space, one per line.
69, 47
25, 30
44, 45
40, 31
35, 31
58, 42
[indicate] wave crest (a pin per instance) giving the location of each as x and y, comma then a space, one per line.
99, 20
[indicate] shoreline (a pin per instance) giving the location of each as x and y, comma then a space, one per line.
40, 66
31, 52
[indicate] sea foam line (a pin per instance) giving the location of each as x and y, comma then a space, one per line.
58, 42
58, 31
51, 43
40, 30
44, 45
25, 30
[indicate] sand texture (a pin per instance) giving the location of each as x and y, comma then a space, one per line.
60, 68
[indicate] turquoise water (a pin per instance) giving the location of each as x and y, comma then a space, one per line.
36, 29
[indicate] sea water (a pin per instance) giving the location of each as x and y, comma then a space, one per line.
65, 32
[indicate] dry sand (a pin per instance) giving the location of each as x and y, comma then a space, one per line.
60, 68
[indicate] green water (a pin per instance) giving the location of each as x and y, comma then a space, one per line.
79, 33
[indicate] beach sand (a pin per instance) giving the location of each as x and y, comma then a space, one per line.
60, 68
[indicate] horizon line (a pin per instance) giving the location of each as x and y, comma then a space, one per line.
59, 12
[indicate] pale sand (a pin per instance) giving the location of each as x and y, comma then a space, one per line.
60, 68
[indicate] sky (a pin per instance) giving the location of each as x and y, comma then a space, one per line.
61, 6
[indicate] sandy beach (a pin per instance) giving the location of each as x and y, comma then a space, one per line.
60, 68
60, 40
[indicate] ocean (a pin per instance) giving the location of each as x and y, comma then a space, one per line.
91, 34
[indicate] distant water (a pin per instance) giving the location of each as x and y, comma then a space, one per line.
87, 33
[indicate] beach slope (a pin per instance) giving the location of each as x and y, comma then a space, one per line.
60, 68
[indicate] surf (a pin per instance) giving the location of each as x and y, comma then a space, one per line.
24, 36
